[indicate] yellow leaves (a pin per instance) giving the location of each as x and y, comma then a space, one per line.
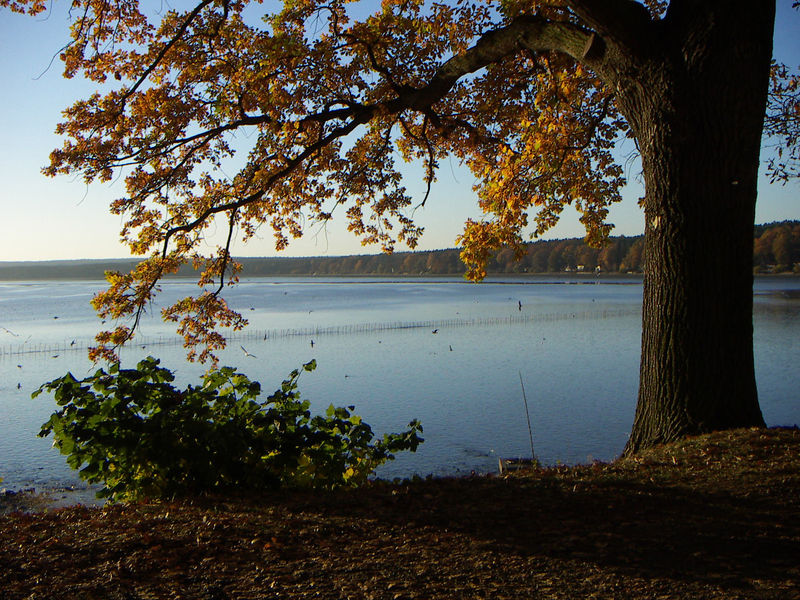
198, 317
108, 342
554, 133
31, 7
479, 240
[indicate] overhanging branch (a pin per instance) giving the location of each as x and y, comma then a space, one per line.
524, 32
529, 32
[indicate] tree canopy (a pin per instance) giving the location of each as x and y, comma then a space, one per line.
281, 115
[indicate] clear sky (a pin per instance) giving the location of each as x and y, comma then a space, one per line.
62, 218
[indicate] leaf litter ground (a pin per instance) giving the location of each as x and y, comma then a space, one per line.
717, 516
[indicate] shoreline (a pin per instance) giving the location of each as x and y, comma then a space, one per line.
30, 499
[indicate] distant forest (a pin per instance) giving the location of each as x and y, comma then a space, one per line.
777, 250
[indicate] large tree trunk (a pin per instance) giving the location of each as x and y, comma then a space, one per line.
697, 110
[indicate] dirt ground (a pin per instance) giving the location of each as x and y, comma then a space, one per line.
716, 516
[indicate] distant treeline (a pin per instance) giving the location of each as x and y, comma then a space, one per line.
777, 247
777, 250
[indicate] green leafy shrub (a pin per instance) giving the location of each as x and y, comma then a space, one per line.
141, 437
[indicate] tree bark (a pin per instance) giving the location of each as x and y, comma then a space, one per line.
695, 100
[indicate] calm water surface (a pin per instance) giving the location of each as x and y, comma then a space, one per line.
574, 342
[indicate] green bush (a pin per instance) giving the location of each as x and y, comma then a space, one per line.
142, 438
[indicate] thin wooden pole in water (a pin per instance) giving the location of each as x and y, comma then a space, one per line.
527, 414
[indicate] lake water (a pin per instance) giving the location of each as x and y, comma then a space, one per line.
446, 352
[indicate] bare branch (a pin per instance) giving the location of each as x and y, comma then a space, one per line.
622, 22
430, 161
526, 31
226, 252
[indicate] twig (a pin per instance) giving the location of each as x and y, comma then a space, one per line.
527, 415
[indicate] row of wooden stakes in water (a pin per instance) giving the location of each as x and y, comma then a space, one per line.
57, 348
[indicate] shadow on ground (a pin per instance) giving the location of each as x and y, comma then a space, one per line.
714, 517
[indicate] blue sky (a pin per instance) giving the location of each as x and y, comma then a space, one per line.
62, 218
